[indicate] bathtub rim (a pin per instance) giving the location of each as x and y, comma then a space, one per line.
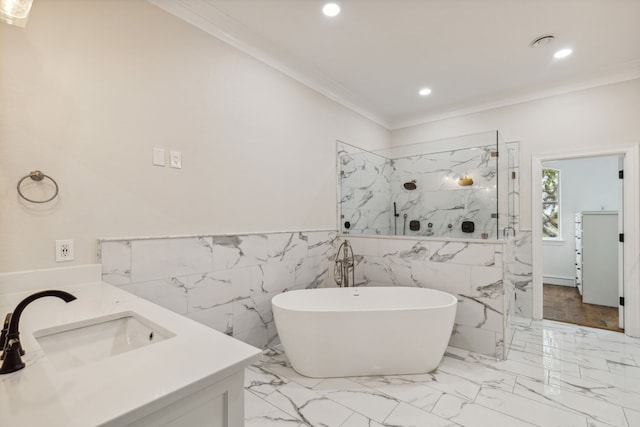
276, 298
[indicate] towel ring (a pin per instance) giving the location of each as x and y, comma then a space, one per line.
37, 175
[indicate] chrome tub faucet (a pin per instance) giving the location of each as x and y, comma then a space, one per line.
344, 267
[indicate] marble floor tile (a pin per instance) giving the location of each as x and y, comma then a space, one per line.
556, 363
610, 378
480, 374
405, 415
513, 367
633, 417
596, 423
597, 390
366, 401
261, 382
561, 375
259, 413
454, 384
309, 406
529, 410
275, 361
624, 369
405, 388
572, 401
357, 420
467, 413
577, 358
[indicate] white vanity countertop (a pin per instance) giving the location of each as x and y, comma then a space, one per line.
121, 388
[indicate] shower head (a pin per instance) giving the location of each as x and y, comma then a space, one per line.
411, 185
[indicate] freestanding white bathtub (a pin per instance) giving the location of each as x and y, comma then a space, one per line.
340, 332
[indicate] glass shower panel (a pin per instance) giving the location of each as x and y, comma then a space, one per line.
502, 182
363, 188
445, 188
513, 185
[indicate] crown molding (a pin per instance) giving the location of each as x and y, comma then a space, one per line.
622, 73
203, 15
213, 21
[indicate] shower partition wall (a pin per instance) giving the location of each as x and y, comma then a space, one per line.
365, 199
458, 187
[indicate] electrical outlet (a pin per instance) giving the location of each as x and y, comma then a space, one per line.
64, 250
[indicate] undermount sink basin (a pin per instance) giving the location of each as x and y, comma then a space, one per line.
75, 344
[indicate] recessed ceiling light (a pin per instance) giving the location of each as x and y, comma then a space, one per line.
424, 91
542, 40
562, 53
331, 9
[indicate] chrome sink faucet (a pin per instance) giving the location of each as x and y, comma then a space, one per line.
12, 349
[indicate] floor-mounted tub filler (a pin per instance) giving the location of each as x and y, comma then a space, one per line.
341, 332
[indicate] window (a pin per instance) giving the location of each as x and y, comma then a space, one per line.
550, 204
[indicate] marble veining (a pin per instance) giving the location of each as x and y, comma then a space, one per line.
139, 382
518, 278
239, 251
225, 282
370, 184
556, 375
467, 253
116, 262
472, 271
365, 200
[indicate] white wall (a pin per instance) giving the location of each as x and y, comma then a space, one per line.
90, 87
589, 184
602, 117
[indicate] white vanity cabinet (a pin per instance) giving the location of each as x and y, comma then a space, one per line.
194, 377
597, 257
220, 404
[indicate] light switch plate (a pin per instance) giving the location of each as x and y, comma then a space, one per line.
176, 159
158, 157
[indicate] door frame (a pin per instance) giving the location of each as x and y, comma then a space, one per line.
621, 244
631, 212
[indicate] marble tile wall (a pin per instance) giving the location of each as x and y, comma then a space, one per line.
439, 200
519, 274
365, 201
518, 283
225, 282
370, 184
472, 271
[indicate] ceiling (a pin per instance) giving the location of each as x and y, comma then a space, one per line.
474, 54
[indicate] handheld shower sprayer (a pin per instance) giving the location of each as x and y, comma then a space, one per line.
395, 221
404, 224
